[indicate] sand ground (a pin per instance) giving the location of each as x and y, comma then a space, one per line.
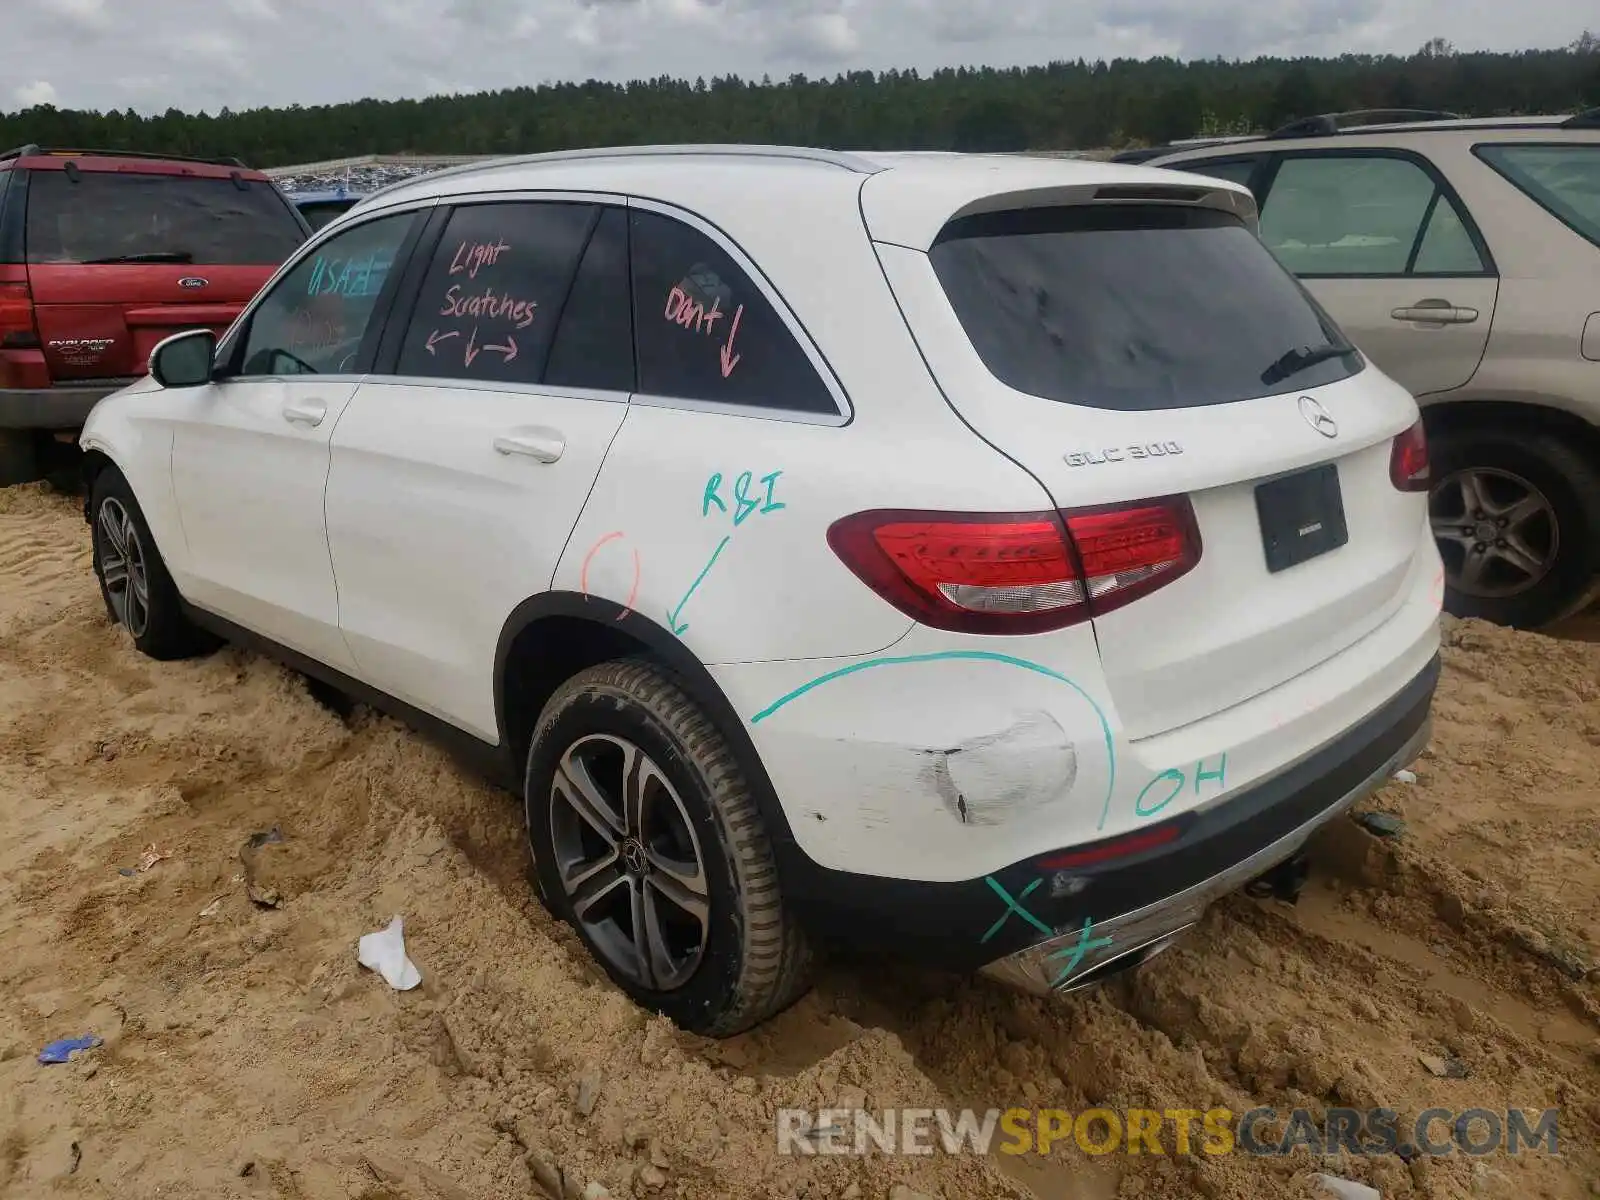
246, 1054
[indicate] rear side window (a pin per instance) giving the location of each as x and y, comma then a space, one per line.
111, 217
1565, 180
494, 292
1331, 215
1134, 307
705, 332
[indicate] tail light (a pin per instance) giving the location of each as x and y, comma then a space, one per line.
17, 330
1018, 572
1408, 460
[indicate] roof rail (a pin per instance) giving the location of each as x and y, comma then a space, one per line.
1331, 123
1589, 118
31, 149
837, 158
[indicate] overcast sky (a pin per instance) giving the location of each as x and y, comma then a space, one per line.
203, 54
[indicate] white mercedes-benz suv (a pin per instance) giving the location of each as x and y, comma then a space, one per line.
984, 560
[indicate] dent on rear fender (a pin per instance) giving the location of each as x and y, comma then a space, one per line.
991, 778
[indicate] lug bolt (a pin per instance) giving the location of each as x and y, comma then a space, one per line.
1479, 548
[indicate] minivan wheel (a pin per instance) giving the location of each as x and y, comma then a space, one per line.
19, 456
646, 840
138, 592
1517, 519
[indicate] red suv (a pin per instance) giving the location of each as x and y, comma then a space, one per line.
103, 254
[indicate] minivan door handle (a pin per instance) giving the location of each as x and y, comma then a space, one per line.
1435, 312
310, 413
546, 445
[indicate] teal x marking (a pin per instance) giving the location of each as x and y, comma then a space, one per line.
1076, 954
1014, 905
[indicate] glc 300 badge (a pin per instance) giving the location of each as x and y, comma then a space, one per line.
1093, 458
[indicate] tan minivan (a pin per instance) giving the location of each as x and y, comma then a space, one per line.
1462, 255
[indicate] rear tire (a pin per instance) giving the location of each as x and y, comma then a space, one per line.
138, 592
19, 456
1524, 509
670, 882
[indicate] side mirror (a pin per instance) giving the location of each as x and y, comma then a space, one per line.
184, 359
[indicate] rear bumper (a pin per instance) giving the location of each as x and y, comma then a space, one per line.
1027, 922
1056, 964
54, 407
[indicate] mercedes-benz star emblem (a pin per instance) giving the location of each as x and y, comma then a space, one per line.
633, 856
1318, 417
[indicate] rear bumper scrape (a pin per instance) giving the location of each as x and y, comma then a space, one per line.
1079, 958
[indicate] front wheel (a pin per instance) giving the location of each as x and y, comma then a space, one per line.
647, 841
138, 592
1517, 519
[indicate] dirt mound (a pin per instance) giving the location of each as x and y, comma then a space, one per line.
247, 1054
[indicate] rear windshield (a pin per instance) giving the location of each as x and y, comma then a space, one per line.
115, 217
1563, 179
1134, 307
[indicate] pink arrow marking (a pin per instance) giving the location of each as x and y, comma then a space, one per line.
730, 360
436, 337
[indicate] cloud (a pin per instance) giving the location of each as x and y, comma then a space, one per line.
206, 54
86, 14
31, 95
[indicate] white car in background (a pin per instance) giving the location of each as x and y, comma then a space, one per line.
982, 560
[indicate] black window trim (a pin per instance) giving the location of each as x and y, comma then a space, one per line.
1260, 161
231, 345
382, 371
1267, 178
1542, 144
845, 413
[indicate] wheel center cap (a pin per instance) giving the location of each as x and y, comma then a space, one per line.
1485, 531
633, 856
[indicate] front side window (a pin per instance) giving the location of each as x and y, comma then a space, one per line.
1364, 215
314, 319
1564, 180
495, 291
704, 331
117, 217
1134, 306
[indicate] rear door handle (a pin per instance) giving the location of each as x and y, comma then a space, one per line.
1435, 312
310, 413
546, 445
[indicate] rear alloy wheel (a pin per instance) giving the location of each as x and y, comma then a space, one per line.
1517, 520
646, 840
629, 861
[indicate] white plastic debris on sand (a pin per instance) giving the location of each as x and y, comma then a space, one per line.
385, 953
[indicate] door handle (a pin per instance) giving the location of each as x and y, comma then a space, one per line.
546, 445
1435, 312
310, 413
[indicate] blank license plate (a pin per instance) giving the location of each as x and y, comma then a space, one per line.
1302, 516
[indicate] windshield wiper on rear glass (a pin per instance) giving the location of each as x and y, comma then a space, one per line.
154, 256
1298, 360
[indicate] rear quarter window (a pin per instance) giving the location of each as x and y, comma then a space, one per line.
107, 216
1562, 179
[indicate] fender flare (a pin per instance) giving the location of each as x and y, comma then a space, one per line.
690, 674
